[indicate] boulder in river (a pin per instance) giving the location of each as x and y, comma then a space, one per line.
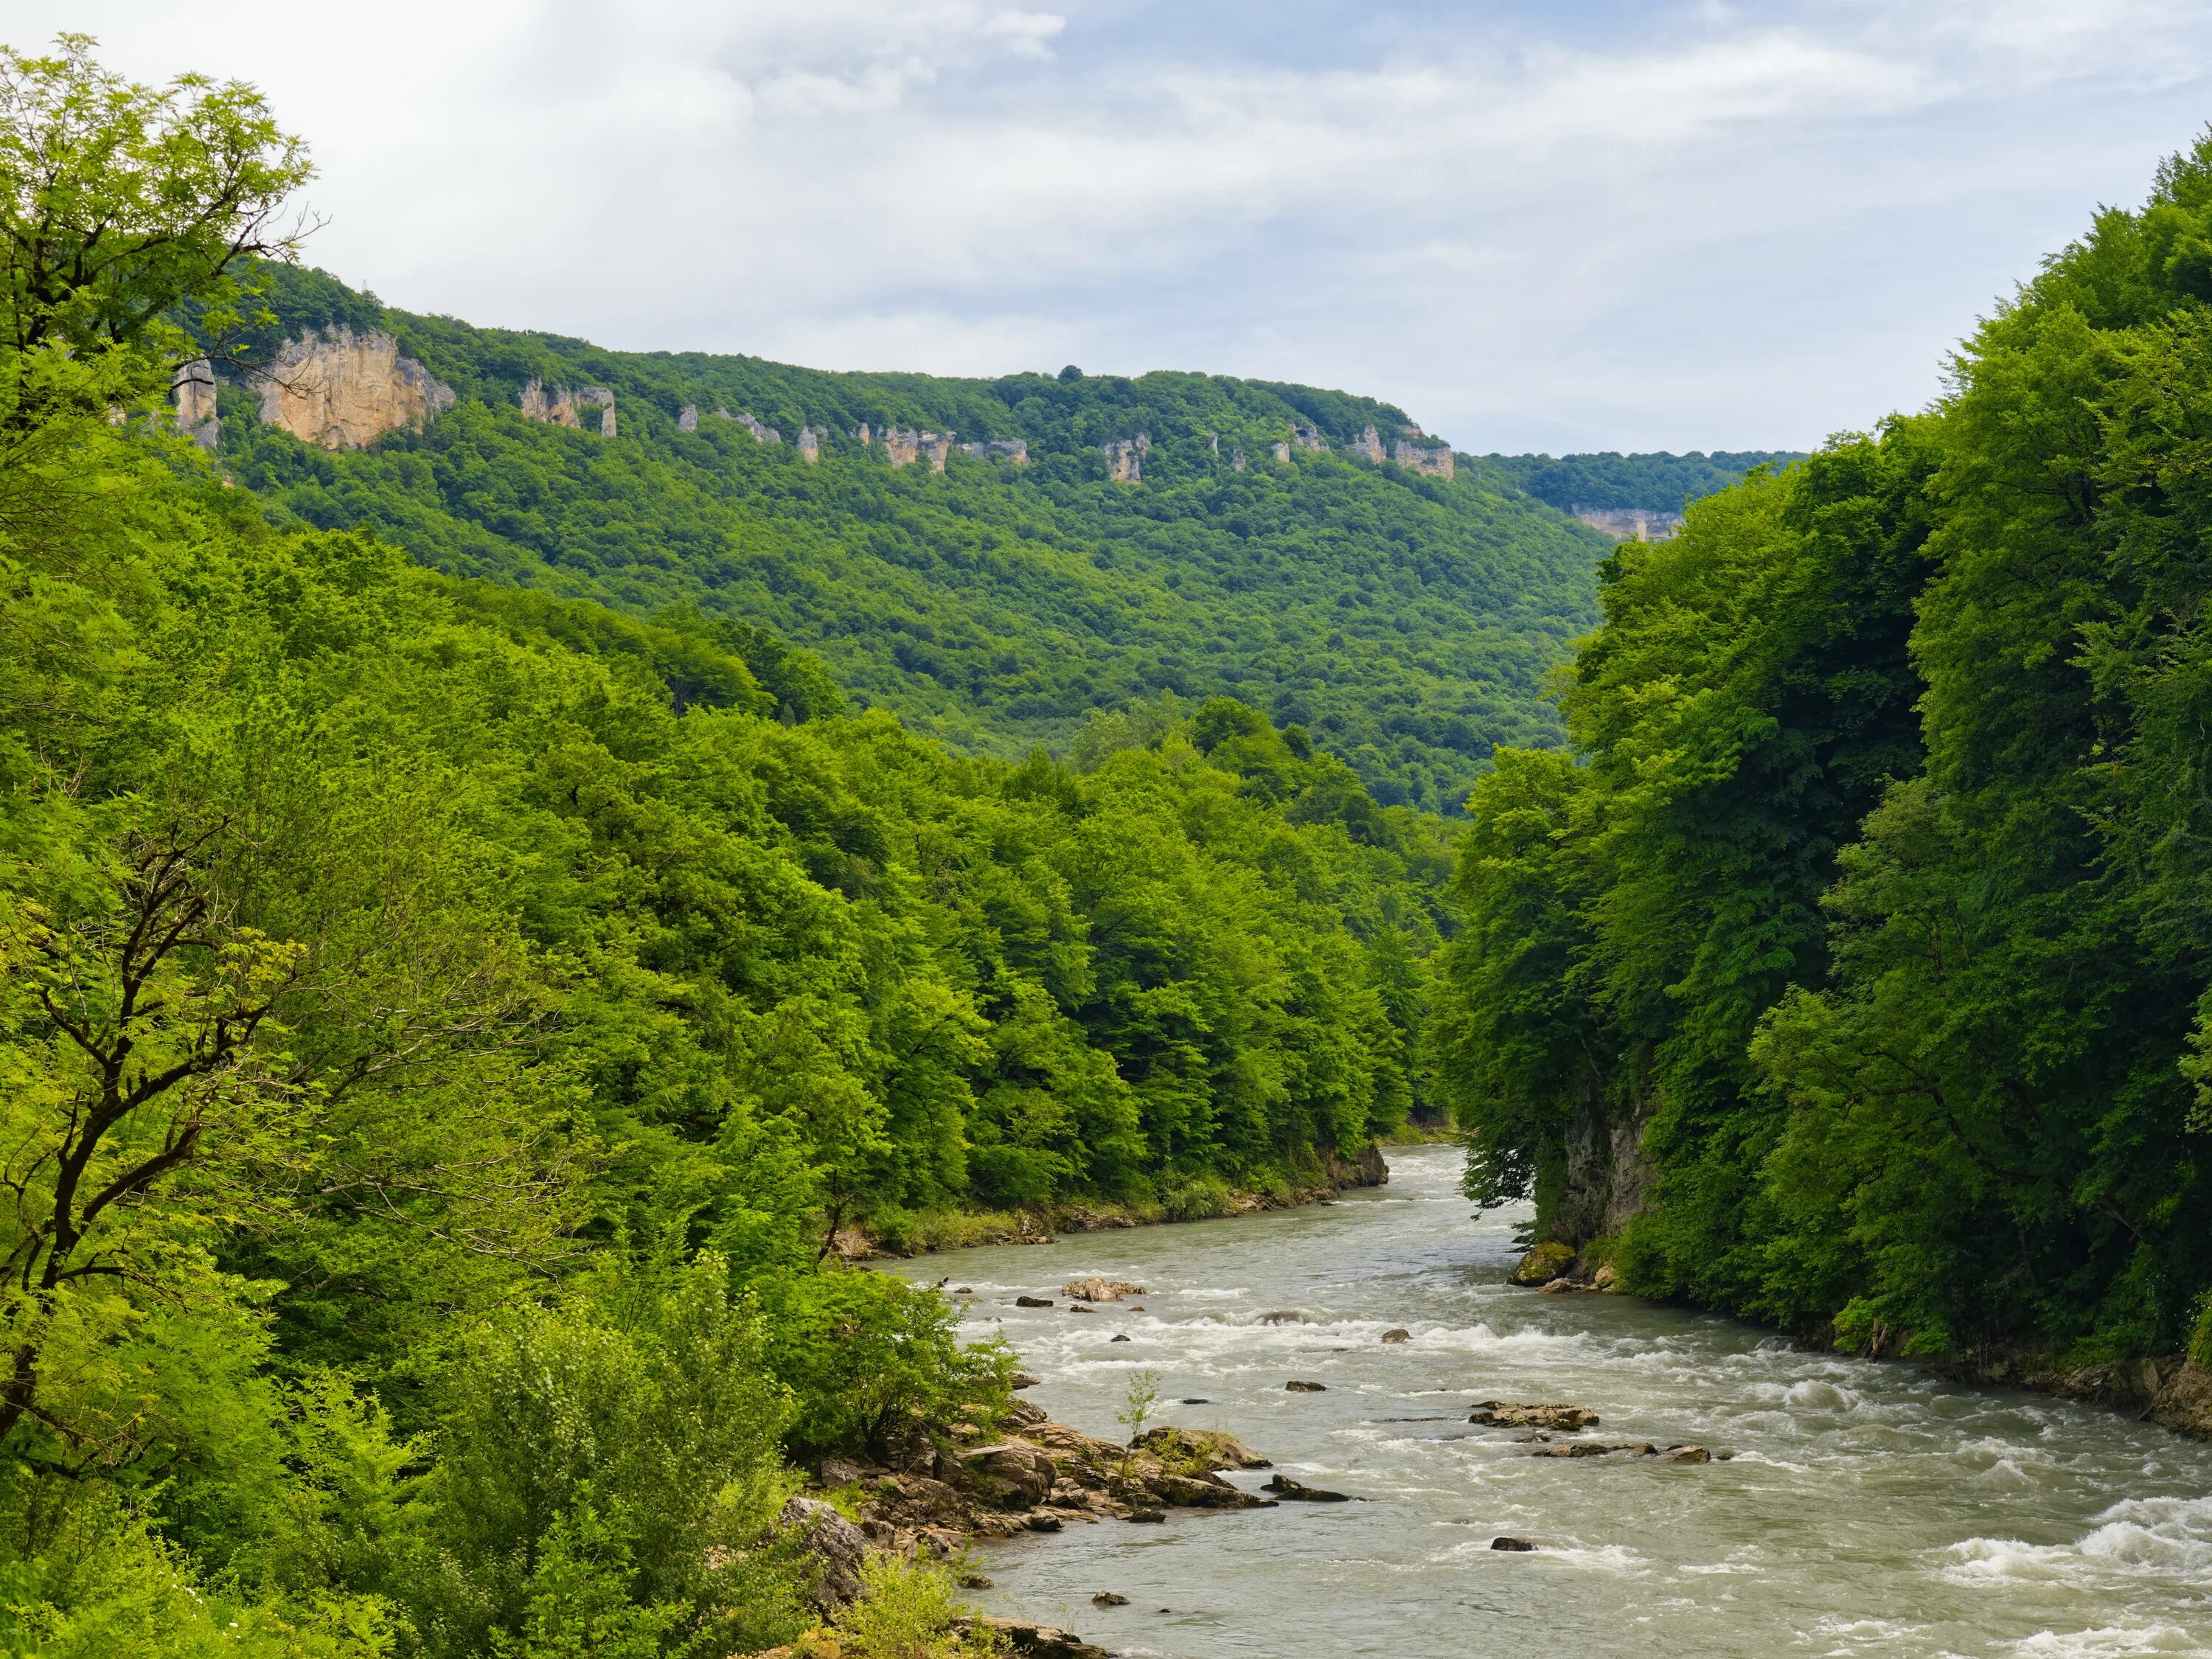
1121, 1336
1635, 1451
1296, 1492
1398, 1335
1518, 1545
1193, 1450
1033, 1302
1546, 1262
1100, 1290
1109, 1599
1506, 1414
1032, 1641
1022, 1380
1296, 1387
1282, 1316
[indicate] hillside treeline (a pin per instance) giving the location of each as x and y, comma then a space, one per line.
1660, 482
1862, 944
450, 1035
1408, 623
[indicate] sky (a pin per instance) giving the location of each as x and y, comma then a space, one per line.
1534, 224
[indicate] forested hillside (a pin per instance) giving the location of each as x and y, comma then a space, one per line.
1658, 482
451, 1033
1853, 972
1406, 621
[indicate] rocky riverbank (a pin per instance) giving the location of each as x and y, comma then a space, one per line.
1041, 1224
1023, 1473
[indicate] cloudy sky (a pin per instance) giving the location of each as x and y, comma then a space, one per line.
1536, 224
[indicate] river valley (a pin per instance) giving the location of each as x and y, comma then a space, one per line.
1860, 1509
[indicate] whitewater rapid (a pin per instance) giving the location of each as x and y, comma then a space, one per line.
1864, 1509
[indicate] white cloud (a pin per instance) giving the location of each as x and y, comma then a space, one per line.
1730, 226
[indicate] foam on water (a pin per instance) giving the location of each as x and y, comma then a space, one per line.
1864, 1509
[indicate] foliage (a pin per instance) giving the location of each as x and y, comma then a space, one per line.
905, 1610
452, 1035
1405, 622
1876, 918
1660, 482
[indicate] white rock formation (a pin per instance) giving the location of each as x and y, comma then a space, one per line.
1281, 452
344, 391
1125, 459
1436, 462
687, 418
562, 406
1016, 450
1368, 446
194, 387
809, 444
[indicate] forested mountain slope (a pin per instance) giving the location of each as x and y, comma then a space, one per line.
1407, 620
1661, 482
1856, 972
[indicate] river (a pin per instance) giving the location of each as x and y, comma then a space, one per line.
1866, 1509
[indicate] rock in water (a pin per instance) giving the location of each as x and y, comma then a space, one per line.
1296, 1387
1032, 1641
1108, 1599
1033, 1302
1505, 1414
1298, 1491
1022, 1380
1400, 1334
1120, 1337
1544, 1264
1100, 1290
837, 1545
1520, 1545
1200, 1449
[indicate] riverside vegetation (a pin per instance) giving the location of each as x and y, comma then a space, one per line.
448, 1031
1851, 973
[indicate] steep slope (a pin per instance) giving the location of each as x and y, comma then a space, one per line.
1178, 532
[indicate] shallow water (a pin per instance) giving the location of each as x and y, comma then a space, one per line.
1867, 1509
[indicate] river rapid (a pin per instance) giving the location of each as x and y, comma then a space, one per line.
1866, 1509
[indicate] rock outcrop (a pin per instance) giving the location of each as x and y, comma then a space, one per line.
1368, 446
1016, 450
1281, 452
564, 405
1436, 462
1308, 437
344, 391
194, 387
809, 444
837, 1546
1631, 523
1037, 1475
1125, 458
904, 447
687, 418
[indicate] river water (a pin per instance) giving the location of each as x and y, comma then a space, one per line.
1867, 1509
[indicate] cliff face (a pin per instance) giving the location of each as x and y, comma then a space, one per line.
344, 391
1631, 524
564, 405
1124, 461
1368, 446
195, 390
1436, 462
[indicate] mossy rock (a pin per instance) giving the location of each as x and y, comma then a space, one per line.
1545, 1263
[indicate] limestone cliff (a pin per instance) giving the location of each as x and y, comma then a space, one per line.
1436, 462
809, 444
905, 446
1631, 523
1281, 452
687, 418
564, 405
1308, 437
1125, 459
1016, 450
344, 391
1368, 446
194, 387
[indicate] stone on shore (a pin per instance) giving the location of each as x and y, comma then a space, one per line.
1199, 1449
1545, 1263
837, 1545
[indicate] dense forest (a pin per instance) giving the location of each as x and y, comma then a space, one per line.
452, 1033
1852, 971
1407, 622
1659, 483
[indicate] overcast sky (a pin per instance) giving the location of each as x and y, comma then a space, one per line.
1562, 224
